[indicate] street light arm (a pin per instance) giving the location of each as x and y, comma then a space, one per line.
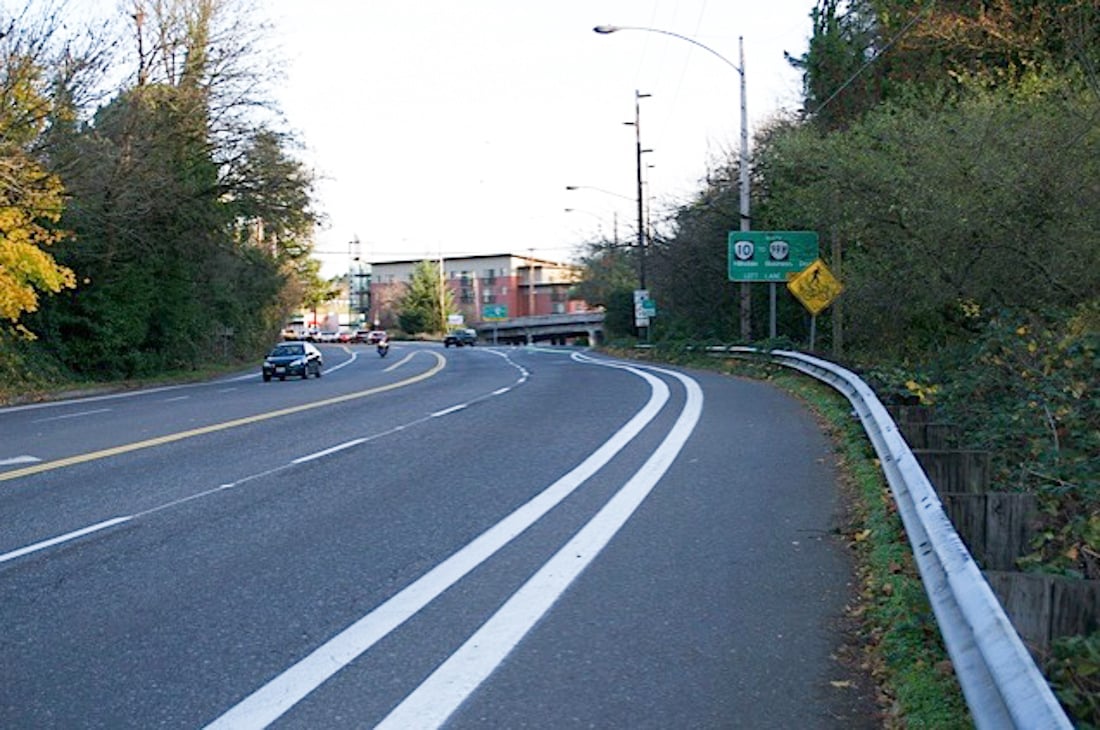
599, 190
609, 29
746, 221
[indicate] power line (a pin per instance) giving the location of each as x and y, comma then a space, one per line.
875, 57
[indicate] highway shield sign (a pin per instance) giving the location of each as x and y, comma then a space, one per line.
770, 255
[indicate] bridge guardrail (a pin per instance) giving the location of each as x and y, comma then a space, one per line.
1002, 685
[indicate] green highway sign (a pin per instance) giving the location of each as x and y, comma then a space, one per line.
494, 311
770, 255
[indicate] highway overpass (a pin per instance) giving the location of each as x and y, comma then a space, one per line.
557, 329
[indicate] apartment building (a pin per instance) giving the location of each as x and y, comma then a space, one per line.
484, 287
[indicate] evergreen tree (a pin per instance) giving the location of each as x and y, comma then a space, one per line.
426, 303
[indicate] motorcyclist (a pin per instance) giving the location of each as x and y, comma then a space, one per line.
383, 345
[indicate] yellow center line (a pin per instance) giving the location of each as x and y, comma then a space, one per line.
441, 362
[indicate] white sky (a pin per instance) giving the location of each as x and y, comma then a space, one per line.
446, 127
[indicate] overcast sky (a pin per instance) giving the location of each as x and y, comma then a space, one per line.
453, 128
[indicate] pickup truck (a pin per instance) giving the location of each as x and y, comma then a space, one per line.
458, 338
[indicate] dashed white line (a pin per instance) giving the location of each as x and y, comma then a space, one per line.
448, 411
23, 459
326, 452
79, 414
64, 538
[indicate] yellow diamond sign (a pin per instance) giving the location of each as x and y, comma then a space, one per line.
815, 286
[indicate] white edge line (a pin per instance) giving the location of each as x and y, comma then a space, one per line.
271, 701
63, 538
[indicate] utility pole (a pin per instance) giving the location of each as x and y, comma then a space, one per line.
442, 297
638, 96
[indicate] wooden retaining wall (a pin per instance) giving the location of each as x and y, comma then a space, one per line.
997, 528
1045, 607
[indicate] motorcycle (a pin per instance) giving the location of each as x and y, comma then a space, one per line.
383, 348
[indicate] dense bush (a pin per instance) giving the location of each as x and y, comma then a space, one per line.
1025, 387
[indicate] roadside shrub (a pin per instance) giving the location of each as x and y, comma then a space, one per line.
1074, 671
1026, 389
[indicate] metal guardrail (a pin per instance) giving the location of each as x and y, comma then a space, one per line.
1000, 681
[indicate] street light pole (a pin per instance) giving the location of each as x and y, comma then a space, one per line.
743, 162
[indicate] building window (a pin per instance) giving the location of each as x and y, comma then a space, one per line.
490, 276
488, 298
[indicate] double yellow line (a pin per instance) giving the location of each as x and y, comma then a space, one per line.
160, 440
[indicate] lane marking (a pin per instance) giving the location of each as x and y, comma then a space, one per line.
441, 363
221, 487
160, 389
176, 398
437, 698
326, 452
63, 538
80, 414
24, 459
448, 411
400, 362
272, 700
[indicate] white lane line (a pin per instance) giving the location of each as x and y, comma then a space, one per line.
500, 391
400, 362
63, 538
326, 452
436, 699
24, 459
178, 397
80, 414
448, 411
269, 702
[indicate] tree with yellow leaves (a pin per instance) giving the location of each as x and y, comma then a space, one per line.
30, 197
30, 202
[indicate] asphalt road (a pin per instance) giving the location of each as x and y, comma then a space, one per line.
478, 537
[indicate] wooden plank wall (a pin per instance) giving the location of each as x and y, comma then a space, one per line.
997, 528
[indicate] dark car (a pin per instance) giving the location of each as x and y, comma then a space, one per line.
458, 338
292, 358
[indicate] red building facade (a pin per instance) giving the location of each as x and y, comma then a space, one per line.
483, 287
